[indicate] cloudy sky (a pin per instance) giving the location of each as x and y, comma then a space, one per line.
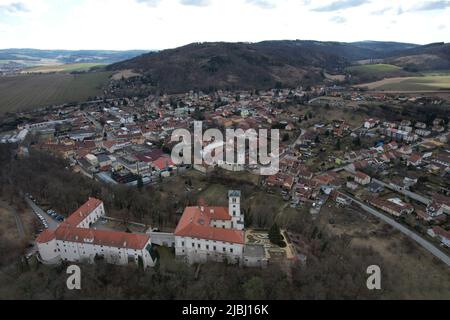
160, 24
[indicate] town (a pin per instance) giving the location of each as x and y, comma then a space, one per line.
345, 155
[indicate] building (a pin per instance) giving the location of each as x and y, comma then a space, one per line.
395, 206
76, 241
441, 234
362, 178
212, 233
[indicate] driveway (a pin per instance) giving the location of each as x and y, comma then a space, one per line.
52, 224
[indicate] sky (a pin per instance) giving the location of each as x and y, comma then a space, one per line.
163, 24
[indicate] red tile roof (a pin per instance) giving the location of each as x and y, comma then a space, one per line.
82, 213
46, 236
103, 237
196, 223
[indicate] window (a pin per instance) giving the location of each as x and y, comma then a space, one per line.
193, 245
207, 247
231, 250
224, 250
198, 246
214, 248
182, 243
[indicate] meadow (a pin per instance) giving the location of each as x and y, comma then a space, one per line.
373, 69
72, 67
427, 82
31, 91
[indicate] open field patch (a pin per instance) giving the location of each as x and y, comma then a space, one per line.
72, 67
429, 82
31, 91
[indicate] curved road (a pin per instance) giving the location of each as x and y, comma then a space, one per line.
424, 243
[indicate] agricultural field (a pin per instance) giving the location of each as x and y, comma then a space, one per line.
427, 82
72, 67
31, 91
373, 69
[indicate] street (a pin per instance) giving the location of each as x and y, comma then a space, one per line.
414, 236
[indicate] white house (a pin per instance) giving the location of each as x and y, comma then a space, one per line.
75, 241
212, 233
362, 178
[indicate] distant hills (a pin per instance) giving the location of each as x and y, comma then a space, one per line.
34, 57
267, 64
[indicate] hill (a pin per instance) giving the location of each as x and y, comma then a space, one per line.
265, 64
19, 59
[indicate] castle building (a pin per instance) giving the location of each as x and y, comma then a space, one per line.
212, 233
76, 241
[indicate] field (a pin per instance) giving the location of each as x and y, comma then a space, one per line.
62, 68
428, 82
374, 69
409, 271
27, 92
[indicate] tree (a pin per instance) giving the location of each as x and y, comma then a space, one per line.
254, 289
338, 144
140, 183
275, 235
286, 137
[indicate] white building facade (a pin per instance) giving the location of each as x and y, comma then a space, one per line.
75, 241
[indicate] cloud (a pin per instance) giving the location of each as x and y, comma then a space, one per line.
433, 5
15, 7
341, 5
264, 4
381, 11
338, 19
196, 3
150, 3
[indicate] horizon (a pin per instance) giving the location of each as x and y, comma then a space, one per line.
250, 42
155, 24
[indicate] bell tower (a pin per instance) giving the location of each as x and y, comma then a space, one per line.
234, 209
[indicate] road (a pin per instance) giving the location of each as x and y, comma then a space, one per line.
414, 236
19, 223
52, 224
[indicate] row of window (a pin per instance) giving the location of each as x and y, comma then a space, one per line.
214, 248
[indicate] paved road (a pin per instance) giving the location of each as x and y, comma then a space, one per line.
424, 243
19, 223
52, 224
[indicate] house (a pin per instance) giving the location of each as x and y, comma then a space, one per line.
370, 123
207, 233
362, 178
375, 188
75, 241
414, 160
393, 206
439, 205
441, 234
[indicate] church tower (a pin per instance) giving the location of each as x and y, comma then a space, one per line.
234, 209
